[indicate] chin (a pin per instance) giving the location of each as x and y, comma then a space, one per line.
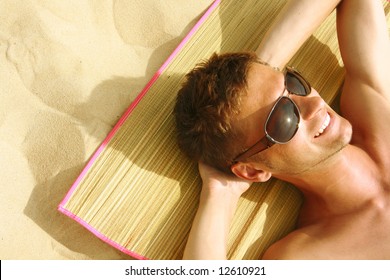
347, 132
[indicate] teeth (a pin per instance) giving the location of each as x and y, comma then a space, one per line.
324, 126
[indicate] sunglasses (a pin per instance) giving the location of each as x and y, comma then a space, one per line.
283, 120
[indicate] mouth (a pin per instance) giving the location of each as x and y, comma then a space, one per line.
325, 124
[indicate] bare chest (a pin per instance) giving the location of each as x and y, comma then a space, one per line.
358, 236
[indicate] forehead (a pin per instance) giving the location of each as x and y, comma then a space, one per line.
264, 86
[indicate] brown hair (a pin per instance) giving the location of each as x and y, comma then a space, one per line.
206, 106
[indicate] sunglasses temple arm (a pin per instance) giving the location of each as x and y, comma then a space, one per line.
263, 144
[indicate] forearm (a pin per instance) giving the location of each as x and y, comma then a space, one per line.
210, 229
292, 27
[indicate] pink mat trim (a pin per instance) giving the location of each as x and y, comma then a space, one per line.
115, 129
102, 236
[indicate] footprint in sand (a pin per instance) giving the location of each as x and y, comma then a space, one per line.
47, 69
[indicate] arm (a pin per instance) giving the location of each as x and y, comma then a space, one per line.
295, 23
365, 100
218, 201
364, 43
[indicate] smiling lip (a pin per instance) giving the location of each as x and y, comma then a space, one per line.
324, 126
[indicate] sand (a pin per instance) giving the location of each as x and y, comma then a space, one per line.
68, 70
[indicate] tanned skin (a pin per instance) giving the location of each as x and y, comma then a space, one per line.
344, 172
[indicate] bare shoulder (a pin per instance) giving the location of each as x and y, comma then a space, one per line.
297, 245
351, 236
317, 241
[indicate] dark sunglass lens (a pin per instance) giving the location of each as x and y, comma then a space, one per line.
295, 85
283, 121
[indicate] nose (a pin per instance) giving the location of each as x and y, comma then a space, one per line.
309, 105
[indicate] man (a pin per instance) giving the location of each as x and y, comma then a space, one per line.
269, 124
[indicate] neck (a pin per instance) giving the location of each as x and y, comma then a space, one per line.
340, 185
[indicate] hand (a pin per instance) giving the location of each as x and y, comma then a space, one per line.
215, 180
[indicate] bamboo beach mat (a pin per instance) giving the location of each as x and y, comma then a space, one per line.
140, 194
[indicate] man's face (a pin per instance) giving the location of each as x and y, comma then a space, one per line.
321, 133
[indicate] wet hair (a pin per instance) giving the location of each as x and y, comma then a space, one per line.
206, 107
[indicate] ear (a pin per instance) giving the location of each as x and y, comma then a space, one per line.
248, 171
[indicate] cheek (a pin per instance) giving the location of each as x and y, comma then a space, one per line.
283, 158
291, 157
